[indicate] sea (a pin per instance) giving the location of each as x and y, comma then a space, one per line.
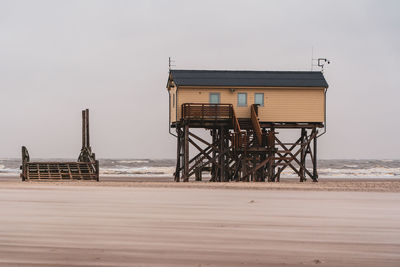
330, 168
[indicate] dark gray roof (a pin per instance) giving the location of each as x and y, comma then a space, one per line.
248, 78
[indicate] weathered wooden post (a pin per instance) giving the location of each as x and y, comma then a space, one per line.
303, 155
214, 167
97, 170
178, 154
87, 128
198, 170
84, 129
221, 154
271, 154
25, 160
186, 153
315, 173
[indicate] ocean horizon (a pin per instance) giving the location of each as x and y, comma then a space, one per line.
327, 168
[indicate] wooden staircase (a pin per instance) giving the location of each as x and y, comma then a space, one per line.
239, 137
241, 126
257, 145
255, 123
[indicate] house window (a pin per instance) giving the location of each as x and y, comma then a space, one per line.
259, 99
242, 99
214, 98
173, 100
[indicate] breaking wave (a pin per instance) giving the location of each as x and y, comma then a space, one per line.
141, 171
166, 167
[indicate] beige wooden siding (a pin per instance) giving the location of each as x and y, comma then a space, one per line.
280, 104
172, 93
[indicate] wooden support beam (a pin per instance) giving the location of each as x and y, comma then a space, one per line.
87, 128
214, 167
213, 161
202, 151
97, 167
84, 129
262, 164
199, 156
229, 154
221, 159
302, 146
186, 154
271, 154
200, 139
303, 156
178, 154
315, 173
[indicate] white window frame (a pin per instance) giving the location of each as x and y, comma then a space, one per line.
262, 104
219, 98
238, 104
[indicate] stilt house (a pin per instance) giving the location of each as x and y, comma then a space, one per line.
243, 108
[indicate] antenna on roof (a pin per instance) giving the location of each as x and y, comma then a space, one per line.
318, 62
321, 63
312, 56
170, 63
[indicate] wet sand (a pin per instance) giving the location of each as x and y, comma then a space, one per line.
133, 223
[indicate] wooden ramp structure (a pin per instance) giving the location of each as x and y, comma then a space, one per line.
85, 168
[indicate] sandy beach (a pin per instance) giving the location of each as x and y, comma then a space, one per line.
114, 99
119, 222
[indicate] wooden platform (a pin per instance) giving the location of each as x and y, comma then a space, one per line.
85, 168
60, 171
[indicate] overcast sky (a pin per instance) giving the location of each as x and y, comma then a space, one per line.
58, 57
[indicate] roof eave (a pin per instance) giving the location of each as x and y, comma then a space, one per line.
252, 86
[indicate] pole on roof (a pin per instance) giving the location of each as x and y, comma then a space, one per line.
170, 63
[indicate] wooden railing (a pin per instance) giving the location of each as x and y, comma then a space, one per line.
238, 138
235, 122
200, 111
207, 112
256, 123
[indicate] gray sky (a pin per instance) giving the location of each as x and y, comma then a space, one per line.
58, 57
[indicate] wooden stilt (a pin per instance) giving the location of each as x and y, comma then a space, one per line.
186, 153
178, 154
302, 156
271, 155
214, 167
315, 173
221, 155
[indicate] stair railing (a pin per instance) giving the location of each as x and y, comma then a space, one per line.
239, 137
256, 124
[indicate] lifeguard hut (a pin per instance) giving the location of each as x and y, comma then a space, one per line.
243, 110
